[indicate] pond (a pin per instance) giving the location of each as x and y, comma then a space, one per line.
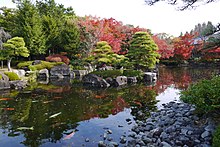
68, 114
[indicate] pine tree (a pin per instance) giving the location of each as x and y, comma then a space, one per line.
103, 55
30, 27
143, 51
12, 48
70, 38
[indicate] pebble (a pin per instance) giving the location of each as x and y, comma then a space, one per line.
174, 125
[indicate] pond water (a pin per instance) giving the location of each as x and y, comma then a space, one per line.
66, 113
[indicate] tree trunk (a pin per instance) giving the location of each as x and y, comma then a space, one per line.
2, 64
9, 64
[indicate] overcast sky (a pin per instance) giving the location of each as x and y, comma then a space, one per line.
159, 18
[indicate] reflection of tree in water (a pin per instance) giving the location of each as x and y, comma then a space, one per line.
181, 77
142, 100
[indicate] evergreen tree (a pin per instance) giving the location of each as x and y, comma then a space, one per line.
30, 27
12, 48
8, 19
54, 17
103, 55
70, 38
143, 51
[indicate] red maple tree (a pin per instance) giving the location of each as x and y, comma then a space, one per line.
183, 46
165, 50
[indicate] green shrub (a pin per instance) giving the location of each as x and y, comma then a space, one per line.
12, 76
24, 64
108, 73
42, 65
32, 67
216, 138
204, 94
0, 76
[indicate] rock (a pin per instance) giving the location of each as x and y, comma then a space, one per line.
123, 140
110, 139
163, 135
120, 81
80, 73
87, 140
114, 144
131, 80
105, 136
4, 82
165, 144
109, 131
128, 119
101, 144
106, 68
157, 131
35, 62
18, 84
19, 72
94, 80
60, 70
110, 80
43, 74
72, 75
146, 139
205, 134
89, 68
150, 76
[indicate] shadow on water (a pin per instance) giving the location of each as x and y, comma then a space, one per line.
65, 113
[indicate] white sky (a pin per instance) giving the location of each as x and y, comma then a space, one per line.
159, 18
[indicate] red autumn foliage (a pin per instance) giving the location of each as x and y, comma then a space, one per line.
183, 46
58, 58
94, 29
165, 50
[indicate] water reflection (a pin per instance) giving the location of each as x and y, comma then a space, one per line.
66, 114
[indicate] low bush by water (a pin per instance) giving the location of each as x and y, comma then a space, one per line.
204, 94
216, 138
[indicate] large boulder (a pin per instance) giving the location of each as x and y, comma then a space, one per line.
18, 84
150, 77
43, 74
4, 82
120, 81
94, 80
58, 70
132, 80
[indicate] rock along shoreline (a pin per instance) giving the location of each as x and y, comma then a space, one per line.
175, 125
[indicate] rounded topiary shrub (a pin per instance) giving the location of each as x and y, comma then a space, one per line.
12, 76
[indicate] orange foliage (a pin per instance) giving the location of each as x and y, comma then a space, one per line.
183, 46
